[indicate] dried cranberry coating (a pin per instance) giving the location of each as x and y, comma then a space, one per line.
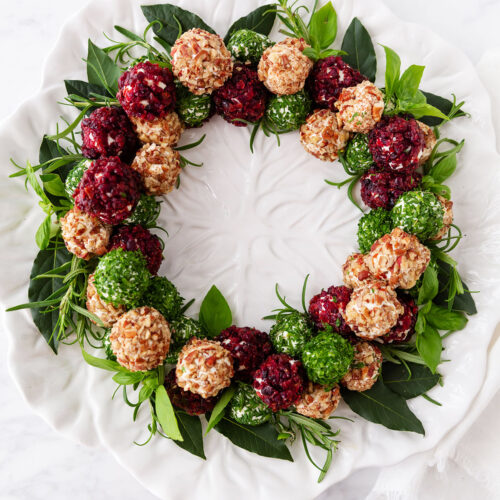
381, 188
108, 132
188, 401
132, 238
249, 348
397, 143
405, 327
242, 97
109, 190
279, 381
327, 79
327, 307
147, 91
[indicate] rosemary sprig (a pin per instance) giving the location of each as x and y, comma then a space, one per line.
287, 308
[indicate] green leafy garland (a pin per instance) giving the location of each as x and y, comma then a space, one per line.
58, 280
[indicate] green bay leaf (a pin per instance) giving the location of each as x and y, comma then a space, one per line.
409, 385
360, 51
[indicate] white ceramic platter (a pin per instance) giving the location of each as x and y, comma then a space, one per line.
245, 222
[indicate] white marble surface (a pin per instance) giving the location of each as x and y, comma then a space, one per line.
36, 462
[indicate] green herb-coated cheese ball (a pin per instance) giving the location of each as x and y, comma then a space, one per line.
146, 212
106, 344
248, 46
182, 329
357, 155
75, 176
192, 109
327, 358
163, 296
290, 333
419, 213
122, 277
288, 112
247, 408
373, 226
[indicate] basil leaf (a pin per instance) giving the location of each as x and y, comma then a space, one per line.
444, 168
443, 319
260, 439
430, 285
408, 83
84, 89
392, 71
192, 434
441, 190
104, 364
42, 236
166, 415
430, 346
444, 105
409, 385
41, 289
124, 378
360, 51
382, 406
215, 314
219, 409
170, 16
101, 69
260, 20
323, 26
420, 110
52, 184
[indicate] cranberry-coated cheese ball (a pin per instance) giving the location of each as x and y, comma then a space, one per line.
373, 310
147, 91
360, 107
405, 327
107, 131
84, 235
399, 259
447, 218
106, 312
429, 140
204, 367
109, 190
321, 136
355, 270
279, 381
165, 131
318, 401
140, 339
326, 308
365, 368
283, 68
159, 166
201, 61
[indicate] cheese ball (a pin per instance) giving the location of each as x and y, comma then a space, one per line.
364, 369
204, 367
159, 167
373, 310
84, 235
106, 312
146, 212
355, 271
248, 46
164, 296
325, 309
419, 213
398, 258
147, 91
447, 218
372, 226
360, 108
140, 339
318, 401
75, 176
357, 154
321, 136
290, 333
183, 329
247, 408
288, 112
283, 68
326, 358
405, 327
201, 61
429, 140
193, 109
165, 131
122, 277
